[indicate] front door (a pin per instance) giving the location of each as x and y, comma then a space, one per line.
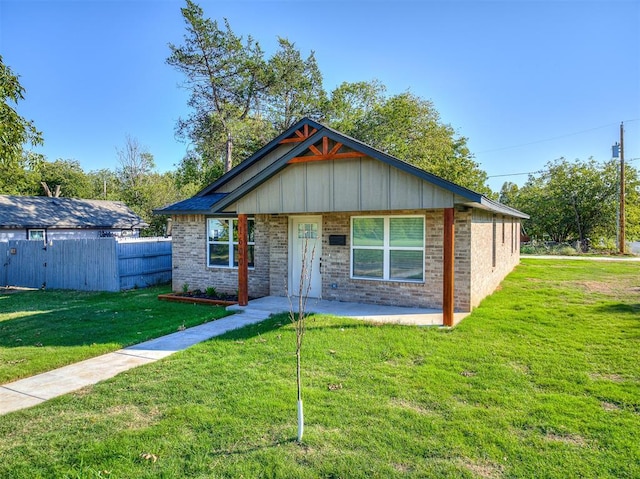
305, 231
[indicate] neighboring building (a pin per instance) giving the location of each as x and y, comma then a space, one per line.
45, 218
383, 230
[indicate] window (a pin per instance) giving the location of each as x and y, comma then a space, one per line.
222, 242
308, 230
36, 235
388, 248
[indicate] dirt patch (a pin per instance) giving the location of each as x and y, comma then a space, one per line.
573, 439
135, 417
521, 368
411, 406
607, 406
616, 378
487, 470
597, 287
623, 288
402, 468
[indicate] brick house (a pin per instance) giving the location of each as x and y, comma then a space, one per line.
382, 230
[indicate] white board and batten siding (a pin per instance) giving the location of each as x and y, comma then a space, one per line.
361, 184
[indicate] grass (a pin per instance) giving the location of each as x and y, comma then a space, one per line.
542, 380
44, 330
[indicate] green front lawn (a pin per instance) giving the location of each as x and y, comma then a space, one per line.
44, 330
542, 380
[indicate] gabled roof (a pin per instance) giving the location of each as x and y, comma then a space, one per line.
313, 133
258, 155
47, 212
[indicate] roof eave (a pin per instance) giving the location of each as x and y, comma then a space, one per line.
495, 207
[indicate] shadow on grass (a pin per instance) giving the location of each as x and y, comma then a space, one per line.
243, 450
104, 322
280, 320
620, 308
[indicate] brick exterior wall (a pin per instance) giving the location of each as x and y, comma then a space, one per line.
278, 227
475, 273
495, 251
190, 259
336, 264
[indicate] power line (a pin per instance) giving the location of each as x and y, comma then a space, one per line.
538, 172
518, 174
555, 137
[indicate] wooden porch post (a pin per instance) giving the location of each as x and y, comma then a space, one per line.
447, 267
243, 260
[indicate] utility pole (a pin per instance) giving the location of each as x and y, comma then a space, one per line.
621, 235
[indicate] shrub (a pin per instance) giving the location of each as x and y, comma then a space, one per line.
211, 291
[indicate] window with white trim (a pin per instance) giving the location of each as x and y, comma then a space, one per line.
222, 242
387, 248
36, 235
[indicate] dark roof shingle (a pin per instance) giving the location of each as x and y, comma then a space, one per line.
194, 205
47, 212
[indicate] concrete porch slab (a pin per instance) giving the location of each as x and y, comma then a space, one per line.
367, 312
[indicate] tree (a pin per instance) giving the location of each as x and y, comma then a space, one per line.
104, 184
136, 167
136, 164
239, 100
294, 88
69, 175
159, 190
409, 128
299, 320
508, 193
141, 187
575, 201
194, 172
225, 78
350, 103
15, 132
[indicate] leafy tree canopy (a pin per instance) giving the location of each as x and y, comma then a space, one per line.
68, 174
576, 201
240, 100
409, 128
15, 132
225, 77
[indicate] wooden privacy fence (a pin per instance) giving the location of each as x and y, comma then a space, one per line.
90, 264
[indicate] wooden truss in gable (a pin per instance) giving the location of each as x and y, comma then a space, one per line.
300, 135
327, 151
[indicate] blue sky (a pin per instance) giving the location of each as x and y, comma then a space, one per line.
525, 81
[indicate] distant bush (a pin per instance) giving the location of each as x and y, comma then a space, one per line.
601, 247
547, 247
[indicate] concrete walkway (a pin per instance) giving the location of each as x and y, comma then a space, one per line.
34, 390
